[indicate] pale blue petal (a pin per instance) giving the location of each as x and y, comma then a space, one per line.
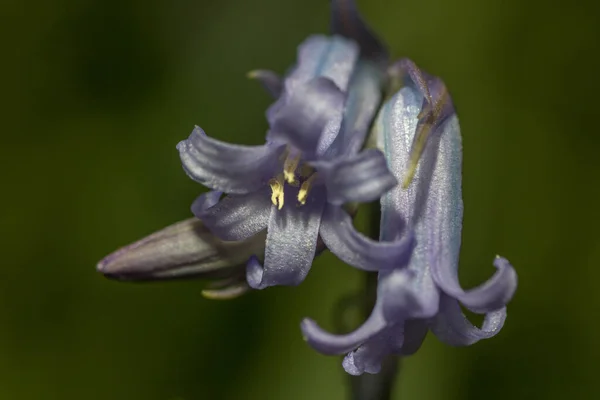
322, 56
304, 115
354, 248
329, 343
360, 178
452, 327
291, 244
236, 217
228, 167
370, 355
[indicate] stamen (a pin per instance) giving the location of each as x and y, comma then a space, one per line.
277, 193
289, 169
305, 189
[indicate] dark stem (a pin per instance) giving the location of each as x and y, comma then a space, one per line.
374, 386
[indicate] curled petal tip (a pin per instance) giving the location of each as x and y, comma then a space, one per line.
254, 273
331, 344
452, 327
492, 295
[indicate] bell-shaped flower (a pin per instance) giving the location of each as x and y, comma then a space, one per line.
294, 185
418, 131
323, 110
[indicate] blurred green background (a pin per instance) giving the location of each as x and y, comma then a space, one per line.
96, 94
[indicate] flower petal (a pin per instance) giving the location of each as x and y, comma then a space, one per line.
354, 248
291, 245
269, 80
305, 114
328, 343
363, 100
360, 178
490, 296
205, 201
236, 217
453, 328
228, 167
346, 21
370, 355
184, 249
408, 293
433, 202
322, 56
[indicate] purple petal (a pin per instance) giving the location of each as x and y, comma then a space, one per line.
228, 167
346, 21
322, 56
453, 328
236, 217
306, 113
328, 343
408, 293
254, 272
395, 128
291, 245
269, 80
205, 201
354, 248
370, 355
363, 100
360, 178
490, 296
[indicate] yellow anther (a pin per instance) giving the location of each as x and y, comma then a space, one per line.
305, 189
277, 193
289, 169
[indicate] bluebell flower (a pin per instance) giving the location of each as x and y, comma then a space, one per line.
419, 124
288, 190
295, 184
418, 130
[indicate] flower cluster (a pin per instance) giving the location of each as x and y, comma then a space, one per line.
299, 186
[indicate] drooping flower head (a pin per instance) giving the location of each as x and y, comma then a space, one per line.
418, 130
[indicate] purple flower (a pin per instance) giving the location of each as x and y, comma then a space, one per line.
318, 123
419, 133
295, 184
